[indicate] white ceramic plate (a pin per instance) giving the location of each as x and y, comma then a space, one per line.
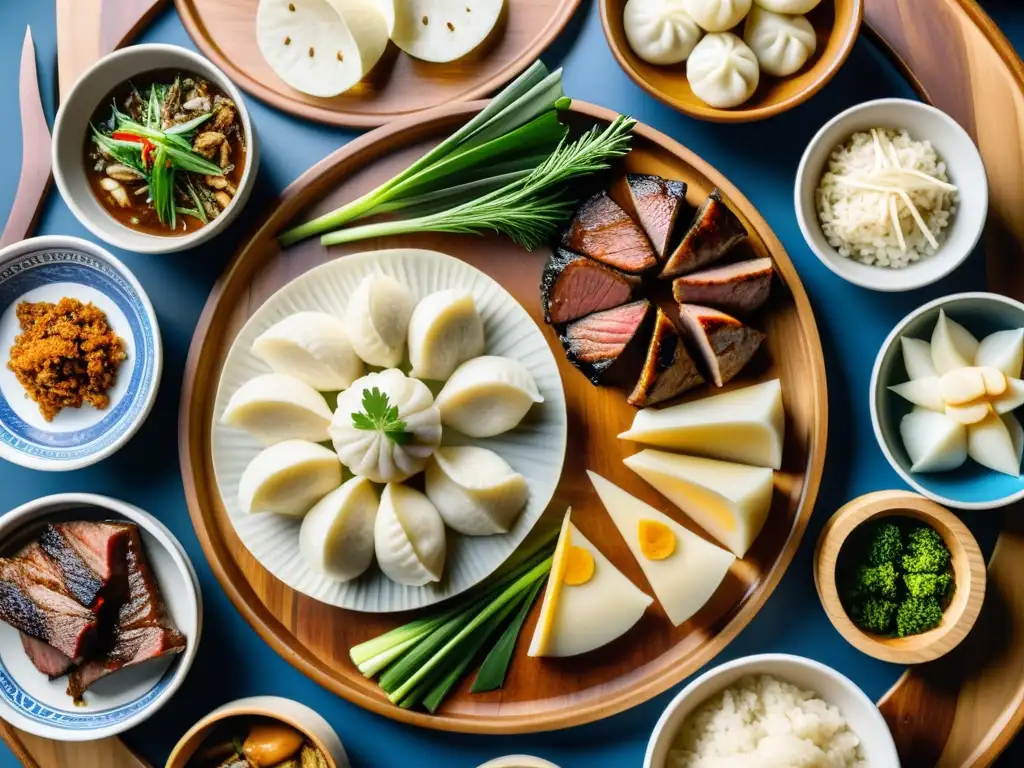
31, 702
535, 449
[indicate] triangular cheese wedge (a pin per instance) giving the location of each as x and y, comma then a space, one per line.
584, 608
729, 501
683, 579
745, 425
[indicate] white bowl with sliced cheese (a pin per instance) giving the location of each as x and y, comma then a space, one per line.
959, 159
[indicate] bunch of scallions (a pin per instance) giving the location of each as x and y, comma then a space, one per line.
508, 170
157, 154
421, 662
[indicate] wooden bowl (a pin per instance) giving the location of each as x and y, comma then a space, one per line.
298, 716
836, 23
968, 570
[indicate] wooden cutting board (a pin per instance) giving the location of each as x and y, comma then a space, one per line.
36, 752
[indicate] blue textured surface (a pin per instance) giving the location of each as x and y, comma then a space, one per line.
761, 159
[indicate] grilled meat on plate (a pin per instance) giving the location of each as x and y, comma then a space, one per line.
573, 286
608, 346
739, 288
725, 343
655, 202
713, 233
668, 369
603, 231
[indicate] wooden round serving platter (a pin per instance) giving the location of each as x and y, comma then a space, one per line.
539, 694
399, 86
962, 710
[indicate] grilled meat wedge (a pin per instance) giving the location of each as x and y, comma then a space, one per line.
715, 230
725, 343
608, 346
572, 286
602, 230
668, 369
739, 288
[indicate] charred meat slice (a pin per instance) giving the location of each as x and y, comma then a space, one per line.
668, 370
607, 344
738, 288
656, 202
713, 233
725, 343
573, 286
45, 657
35, 600
91, 557
603, 231
144, 630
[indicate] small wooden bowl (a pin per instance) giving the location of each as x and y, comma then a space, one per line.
836, 23
968, 570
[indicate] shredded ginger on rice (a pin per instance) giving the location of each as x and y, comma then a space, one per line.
866, 189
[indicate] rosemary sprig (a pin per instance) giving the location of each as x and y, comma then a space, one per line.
528, 210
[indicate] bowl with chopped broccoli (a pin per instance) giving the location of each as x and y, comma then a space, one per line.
900, 577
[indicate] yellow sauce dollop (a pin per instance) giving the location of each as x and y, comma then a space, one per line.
579, 567
657, 541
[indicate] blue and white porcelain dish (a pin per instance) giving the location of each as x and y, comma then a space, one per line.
32, 702
970, 486
48, 269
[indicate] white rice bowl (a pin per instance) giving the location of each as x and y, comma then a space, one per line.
764, 722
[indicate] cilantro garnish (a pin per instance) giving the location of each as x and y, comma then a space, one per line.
378, 415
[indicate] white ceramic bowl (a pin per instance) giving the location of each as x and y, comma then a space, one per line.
48, 269
72, 127
970, 486
518, 761
963, 166
31, 702
298, 716
860, 712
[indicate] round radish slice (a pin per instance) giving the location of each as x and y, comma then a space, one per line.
443, 30
321, 47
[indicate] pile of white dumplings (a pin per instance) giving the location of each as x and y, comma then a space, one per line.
723, 70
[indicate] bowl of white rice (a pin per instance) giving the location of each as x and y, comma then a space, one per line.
892, 195
771, 711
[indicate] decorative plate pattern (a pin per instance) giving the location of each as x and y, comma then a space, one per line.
535, 449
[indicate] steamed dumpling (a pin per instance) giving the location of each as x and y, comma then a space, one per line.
372, 453
660, 31
336, 537
782, 44
722, 71
787, 6
377, 319
275, 407
717, 15
288, 478
313, 347
444, 331
487, 396
408, 537
475, 490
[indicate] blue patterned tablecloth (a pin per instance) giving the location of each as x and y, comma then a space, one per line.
759, 158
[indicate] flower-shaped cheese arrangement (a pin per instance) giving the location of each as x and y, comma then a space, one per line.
386, 428
964, 392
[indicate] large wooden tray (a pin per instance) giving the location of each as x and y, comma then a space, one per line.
964, 709
540, 694
399, 86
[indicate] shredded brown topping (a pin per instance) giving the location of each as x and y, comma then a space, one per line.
66, 355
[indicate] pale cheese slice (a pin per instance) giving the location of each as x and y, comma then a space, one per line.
729, 501
577, 619
684, 581
745, 425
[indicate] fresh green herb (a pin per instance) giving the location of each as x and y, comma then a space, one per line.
528, 97
894, 577
378, 415
529, 210
492, 672
420, 663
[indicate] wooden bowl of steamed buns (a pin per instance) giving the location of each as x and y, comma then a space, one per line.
731, 61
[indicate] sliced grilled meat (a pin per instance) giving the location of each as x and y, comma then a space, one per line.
144, 630
655, 202
713, 233
603, 231
738, 288
572, 286
607, 346
35, 600
725, 343
91, 557
45, 657
668, 370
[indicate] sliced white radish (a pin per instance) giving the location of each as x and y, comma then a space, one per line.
917, 358
953, 346
934, 442
924, 392
321, 47
990, 443
443, 30
1003, 350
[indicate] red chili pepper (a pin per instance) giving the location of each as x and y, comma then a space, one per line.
147, 145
